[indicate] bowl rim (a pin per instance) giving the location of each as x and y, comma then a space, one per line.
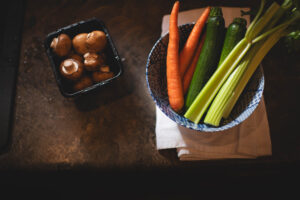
201, 127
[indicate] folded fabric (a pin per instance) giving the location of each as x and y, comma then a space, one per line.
250, 139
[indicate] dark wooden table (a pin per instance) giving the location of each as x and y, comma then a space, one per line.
111, 135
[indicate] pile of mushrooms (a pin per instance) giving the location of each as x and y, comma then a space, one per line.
84, 60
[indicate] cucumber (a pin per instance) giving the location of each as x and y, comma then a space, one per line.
210, 54
235, 32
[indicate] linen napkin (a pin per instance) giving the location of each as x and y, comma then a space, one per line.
250, 139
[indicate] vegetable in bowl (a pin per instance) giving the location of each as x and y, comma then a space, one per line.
219, 92
156, 83
236, 102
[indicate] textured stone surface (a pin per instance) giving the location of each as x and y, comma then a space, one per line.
114, 127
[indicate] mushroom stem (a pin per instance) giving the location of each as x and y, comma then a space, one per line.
70, 67
89, 35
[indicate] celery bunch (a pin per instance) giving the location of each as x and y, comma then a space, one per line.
226, 84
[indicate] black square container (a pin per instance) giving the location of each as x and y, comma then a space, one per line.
86, 26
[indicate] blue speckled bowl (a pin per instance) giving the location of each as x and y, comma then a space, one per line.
156, 82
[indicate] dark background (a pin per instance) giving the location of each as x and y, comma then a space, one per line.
103, 144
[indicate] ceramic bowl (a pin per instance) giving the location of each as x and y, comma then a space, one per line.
156, 82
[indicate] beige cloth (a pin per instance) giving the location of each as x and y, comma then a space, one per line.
250, 139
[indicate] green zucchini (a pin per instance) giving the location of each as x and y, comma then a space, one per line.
210, 54
235, 32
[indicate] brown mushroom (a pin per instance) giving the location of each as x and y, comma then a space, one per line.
104, 68
96, 41
71, 69
84, 82
75, 56
79, 43
99, 76
61, 45
92, 61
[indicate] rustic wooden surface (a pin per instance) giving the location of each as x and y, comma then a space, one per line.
114, 129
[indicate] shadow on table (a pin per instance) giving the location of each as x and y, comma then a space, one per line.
6, 140
6, 147
105, 94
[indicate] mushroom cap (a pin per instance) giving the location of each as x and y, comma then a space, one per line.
105, 68
84, 82
96, 41
92, 61
61, 45
76, 56
99, 76
71, 69
79, 43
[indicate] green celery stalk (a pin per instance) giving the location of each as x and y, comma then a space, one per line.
216, 110
255, 61
265, 47
250, 28
269, 32
262, 22
206, 95
285, 7
203, 99
227, 93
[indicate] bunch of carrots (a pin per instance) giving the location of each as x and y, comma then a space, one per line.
181, 66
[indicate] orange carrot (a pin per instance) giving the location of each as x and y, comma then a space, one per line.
186, 54
174, 84
190, 71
